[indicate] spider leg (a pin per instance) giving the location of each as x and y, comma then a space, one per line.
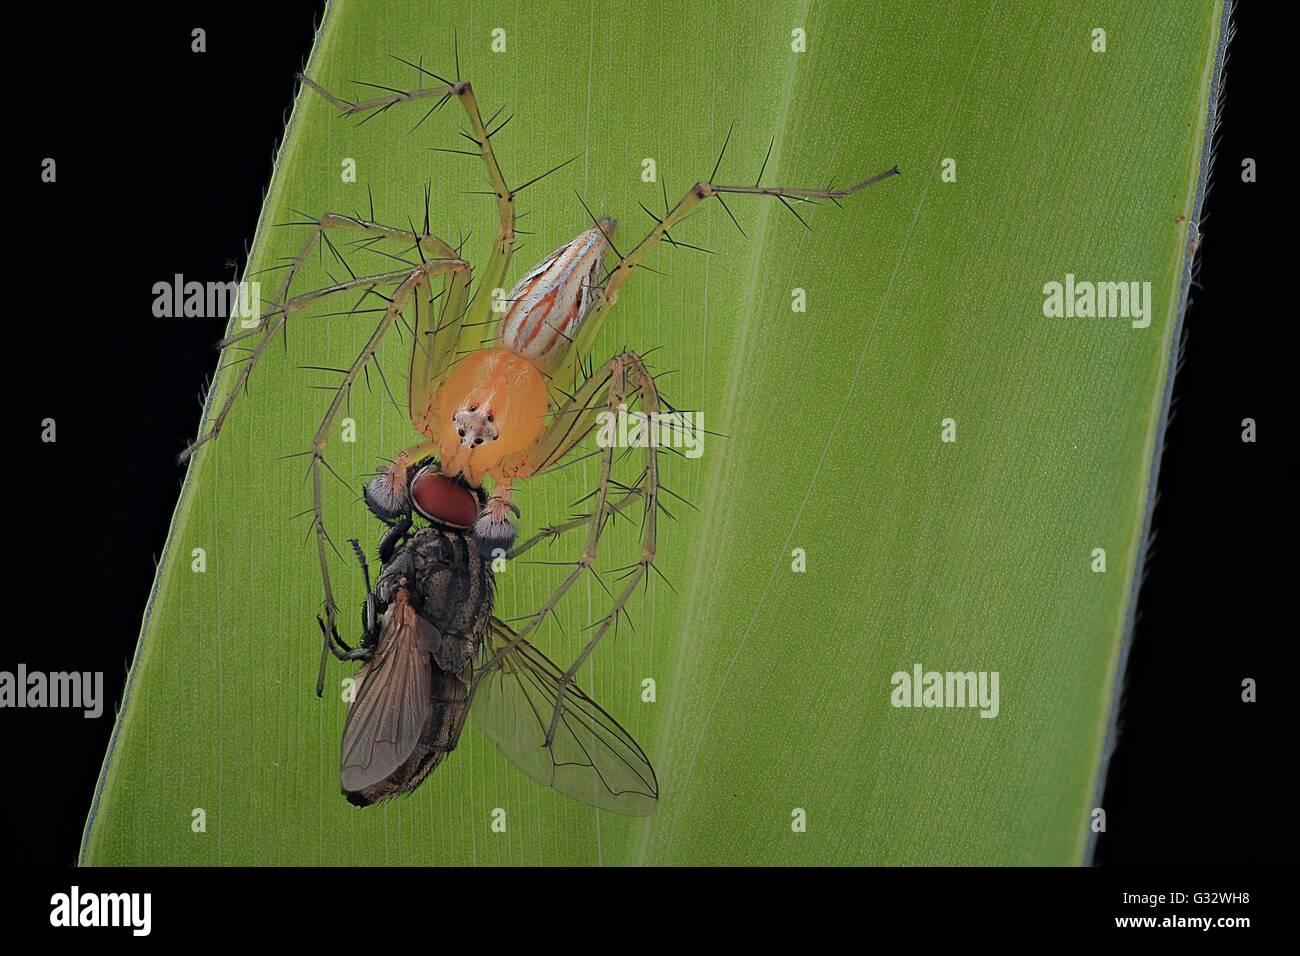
410, 286
272, 320
622, 270
504, 242
608, 389
551, 532
570, 423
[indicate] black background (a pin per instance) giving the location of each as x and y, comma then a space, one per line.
165, 150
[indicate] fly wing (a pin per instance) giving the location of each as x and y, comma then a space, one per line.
592, 758
388, 718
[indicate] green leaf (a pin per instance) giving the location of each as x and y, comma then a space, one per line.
924, 303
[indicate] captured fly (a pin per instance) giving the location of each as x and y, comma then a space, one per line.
433, 653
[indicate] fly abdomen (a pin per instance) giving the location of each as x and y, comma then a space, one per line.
547, 307
448, 703
450, 700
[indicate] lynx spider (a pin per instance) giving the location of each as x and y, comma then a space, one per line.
509, 442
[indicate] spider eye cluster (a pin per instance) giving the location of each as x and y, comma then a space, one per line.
475, 425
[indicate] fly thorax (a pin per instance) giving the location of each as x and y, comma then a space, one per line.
452, 590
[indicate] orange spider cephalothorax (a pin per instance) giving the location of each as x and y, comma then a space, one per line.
492, 405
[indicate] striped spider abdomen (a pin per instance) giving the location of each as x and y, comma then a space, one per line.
547, 306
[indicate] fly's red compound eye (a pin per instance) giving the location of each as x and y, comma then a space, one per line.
440, 499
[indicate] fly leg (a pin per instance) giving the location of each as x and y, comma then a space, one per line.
369, 619
339, 648
400, 529
369, 627
608, 389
